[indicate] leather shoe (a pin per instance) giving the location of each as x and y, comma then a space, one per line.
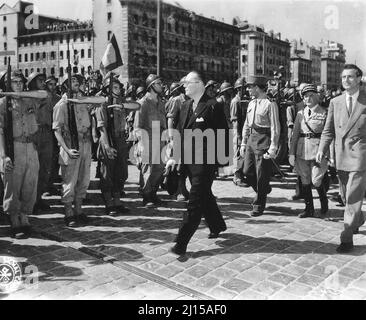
297, 197
255, 214
70, 222
122, 209
305, 215
82, 219
18, 233
178, 251
345, 248
215, 235
27, 230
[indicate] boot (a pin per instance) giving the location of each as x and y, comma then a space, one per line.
309, 202
323, 200
70, 220
80, 216
119, 207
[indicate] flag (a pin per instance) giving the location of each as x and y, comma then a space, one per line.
112, 57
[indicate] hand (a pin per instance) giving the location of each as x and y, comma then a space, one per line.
331, 163
170, 164
242, 150
73, 154
291, 160
139, 151
8, 165
111, 153
319, 157
269, 155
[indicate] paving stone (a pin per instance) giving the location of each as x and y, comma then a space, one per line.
298, 289
310, 280
250, 295
282, 278
221, 293
360, 283
240, 265
294, 270
278, 260
205, 283
351, 273
354, 294
236, 285
169, 271
198, 271
267, 288
223, 273
253, 275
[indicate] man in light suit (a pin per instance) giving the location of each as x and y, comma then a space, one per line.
346, 124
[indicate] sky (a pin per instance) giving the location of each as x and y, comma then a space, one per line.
343, 21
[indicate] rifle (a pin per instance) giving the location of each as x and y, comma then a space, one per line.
70, 106
8, 132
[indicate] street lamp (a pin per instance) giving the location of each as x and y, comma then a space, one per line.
159, 38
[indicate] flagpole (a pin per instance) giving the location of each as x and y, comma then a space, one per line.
159, 38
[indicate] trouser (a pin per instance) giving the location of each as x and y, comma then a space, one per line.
45, 154
55, 164
152, 178
20, 185
201, 203
257, 169
238, 161
354, 187
76, 175
310, 172
113, 172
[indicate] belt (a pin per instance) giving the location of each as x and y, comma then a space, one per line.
311, 135
24, 139
84, 136
260, 130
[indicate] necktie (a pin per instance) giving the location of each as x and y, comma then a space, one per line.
350, 105
255, 112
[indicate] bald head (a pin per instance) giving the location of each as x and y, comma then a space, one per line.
194, 85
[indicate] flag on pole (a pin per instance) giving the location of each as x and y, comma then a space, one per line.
112, 57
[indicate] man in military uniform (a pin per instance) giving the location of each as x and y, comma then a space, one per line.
51, 86
113, 150
21, 176
237, 117
261, 134
75, 164
211, 89
150, 118
175, 91
173, 117
308, 128
37, 81
224, 97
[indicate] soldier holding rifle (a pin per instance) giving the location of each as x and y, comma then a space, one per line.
18, 154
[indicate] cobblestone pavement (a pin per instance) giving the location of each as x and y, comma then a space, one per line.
276, 256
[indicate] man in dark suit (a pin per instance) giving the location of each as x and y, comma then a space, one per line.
201, 116
346, 125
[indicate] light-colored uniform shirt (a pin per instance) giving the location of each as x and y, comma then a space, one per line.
303, 147
263, 114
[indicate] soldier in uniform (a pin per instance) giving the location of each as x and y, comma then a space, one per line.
51, 85
37, 81
225, 97
149, 118
75, 164
20, 177
211, 89
307, 132
113, 151
175, 91
237, 117
261, 134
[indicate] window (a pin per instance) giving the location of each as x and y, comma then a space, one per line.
109, 35
44, 55
5, 61
89, 53
4, 19
31, 70
26, 73
61, 72
75, 37
5, 31
109, 17
52, 71
20, 58
53, 55
144, 20
135, 19
61, 55
5, 46
82, 54
26, 57
31, 57
61, 39
38, 70
38, 56
89, 36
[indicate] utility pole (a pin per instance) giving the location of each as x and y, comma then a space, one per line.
159, 38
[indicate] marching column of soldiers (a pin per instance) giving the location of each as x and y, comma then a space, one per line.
54, 134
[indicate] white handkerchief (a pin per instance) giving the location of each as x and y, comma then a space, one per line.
200, 120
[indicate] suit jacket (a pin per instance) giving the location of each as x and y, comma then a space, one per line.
208, 115
349, 133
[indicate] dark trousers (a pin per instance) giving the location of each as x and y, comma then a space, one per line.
202, 203
113, 172
257, 169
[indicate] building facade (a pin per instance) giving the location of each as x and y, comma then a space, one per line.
262, 53
189, 41
333, 60
47, 51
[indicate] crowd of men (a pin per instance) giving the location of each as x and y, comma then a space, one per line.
62, 132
